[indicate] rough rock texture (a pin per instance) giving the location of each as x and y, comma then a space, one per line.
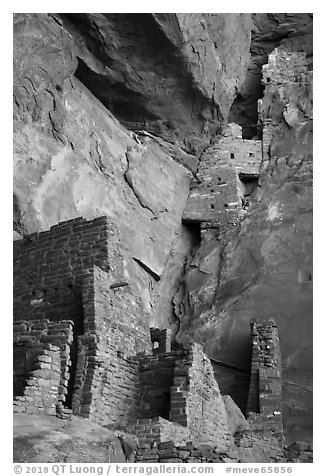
73, 158
263, 267
299, 452
268, 30
111, 115
174, 75
236, 419
50, 440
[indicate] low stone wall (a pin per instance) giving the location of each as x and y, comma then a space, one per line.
41, 393
151, 431
172, 452
30, 339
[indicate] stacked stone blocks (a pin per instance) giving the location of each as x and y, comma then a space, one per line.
107, 383
152, 431
33, 340
196, 401
180, 387
219, 194
172, 452
49, 268
284, 73
41, 394
156, 374
161, 340
120, 372
284, 67
55, 276
264, 408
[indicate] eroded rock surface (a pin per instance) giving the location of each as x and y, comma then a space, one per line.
73, 158
263, 265
268, 31
40, 439
112, 114
174, 75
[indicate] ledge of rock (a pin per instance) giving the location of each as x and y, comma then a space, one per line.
175, 75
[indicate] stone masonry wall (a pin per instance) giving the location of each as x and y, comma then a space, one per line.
233, 151
264, 408
49, 268
227, 174
161, 340
284, 67
173, 452
42, 391
284, 72
107, 384
156, 379
54, 279
196, 401
31, 341
152, 431
180, 401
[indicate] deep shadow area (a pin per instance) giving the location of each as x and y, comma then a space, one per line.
233, 382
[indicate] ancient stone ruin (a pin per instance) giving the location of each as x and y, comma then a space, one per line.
228, 174
163, 236
82, 347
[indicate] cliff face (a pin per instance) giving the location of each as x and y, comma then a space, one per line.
113, 115
262, 266
174, 75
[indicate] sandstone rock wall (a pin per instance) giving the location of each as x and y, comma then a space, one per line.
113, 114
73, 158
174, 75
263, 267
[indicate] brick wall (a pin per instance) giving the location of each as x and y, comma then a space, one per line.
161, 340
61, 274
179, 400
151, 431
180, 386
41, 369
30, 339
173, 452
264, 408
42, 389
106, 384
227, 174
49, 268
284, 71
284, 67
232, 151
210, 199
156, 379
196, 401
